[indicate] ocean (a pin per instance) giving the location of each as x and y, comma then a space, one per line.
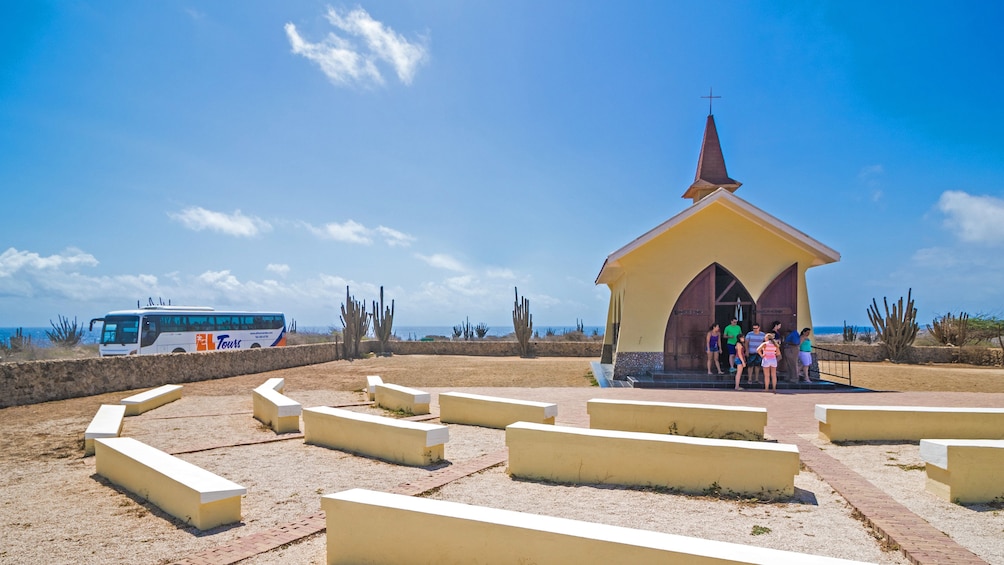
413, 333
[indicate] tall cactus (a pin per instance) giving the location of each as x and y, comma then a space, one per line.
355, 324
383, 321
522, 322
898, 328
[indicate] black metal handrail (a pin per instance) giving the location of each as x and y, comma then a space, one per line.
832, 363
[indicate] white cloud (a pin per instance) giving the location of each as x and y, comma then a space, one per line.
395, 238
236, 224
279, 269
973, 219
345, 62
12, 261
352, 231
349, 232
442, 261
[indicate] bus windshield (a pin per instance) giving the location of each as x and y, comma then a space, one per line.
120, 330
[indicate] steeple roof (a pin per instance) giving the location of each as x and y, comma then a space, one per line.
711, 173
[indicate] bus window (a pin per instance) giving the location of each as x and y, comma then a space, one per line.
200, 323
120, 330
151, 330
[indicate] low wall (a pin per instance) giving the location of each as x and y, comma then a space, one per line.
988, 356
31, 382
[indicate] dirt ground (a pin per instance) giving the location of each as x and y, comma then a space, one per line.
43, 476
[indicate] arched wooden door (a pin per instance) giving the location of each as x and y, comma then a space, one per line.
779, 301
714, 295
688, 323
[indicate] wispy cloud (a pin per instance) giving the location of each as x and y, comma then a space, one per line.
973, 219
353, 60
352, 231
279, 269
442, 261
236, 224
395, 238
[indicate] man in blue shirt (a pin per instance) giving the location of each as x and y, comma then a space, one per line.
790, 356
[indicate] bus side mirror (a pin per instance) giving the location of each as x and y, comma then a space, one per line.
91, 327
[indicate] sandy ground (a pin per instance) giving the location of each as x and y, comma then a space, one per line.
51, 497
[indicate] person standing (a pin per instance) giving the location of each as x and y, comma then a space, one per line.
731, 333
712, 346
790, 355
768, 351
740, 358
753, 340
805, 354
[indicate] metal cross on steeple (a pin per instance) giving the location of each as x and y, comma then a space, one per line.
710, 98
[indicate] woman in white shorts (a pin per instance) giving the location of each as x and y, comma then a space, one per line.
769, 352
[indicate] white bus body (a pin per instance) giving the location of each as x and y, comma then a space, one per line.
183, 329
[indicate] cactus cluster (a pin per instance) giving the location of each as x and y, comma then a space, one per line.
383, 321
355, 324
898, 327
17, 342
950, 330
850, 333
66, 334
522, 322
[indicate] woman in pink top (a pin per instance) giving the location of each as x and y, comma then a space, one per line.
769, 352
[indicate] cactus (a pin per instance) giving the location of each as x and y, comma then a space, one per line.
522, 322
19, 341
464, 329
481, 330
580, 326
292, 326
383, 321
850, 333
355, 324
66, 333
950, 330
898, 328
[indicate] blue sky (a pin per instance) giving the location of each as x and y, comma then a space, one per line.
267, 154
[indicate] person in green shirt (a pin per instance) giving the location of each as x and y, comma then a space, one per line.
805, 354
731, 332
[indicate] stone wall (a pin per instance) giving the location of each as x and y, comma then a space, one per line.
31, 382
988, 356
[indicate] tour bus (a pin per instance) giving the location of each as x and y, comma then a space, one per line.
182, 329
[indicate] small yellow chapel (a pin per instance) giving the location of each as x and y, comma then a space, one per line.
668, 286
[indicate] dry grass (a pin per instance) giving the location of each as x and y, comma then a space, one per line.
888, 376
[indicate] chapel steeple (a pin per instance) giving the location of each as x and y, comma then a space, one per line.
711, 174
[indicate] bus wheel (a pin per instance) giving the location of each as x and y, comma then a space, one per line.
255, 346
178, 350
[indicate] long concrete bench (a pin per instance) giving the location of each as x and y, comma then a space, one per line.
492, 411
908, 423
964, 470
586, 456
153, 398
699, 420
405, 399
371, 382
437, 531
107, 422
274, 409
183, 490
390, 439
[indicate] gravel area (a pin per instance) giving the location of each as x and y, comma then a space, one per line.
51, 498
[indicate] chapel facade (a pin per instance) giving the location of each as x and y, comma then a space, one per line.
720, 258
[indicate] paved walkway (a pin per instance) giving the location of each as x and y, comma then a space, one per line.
790, 417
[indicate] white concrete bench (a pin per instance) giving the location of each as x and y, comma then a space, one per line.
275, 410
698, 420
107, 422
966, 471
908, 423
690, 464
371, 382
148, 400
183, 490
491, 411
397, 397
390, 439
427, 531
